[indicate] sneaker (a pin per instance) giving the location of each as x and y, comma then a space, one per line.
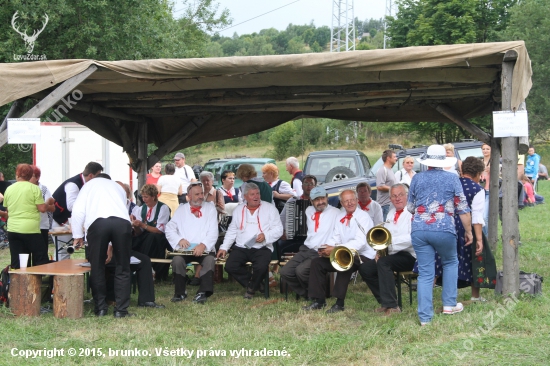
200, 298
449, 310
423, 324
478, 299
314, 306
335, 309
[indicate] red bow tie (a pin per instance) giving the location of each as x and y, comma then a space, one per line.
315, 218
346, 219
397, 214
365, 207
196, 211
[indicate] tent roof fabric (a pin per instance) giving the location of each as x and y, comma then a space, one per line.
237, 96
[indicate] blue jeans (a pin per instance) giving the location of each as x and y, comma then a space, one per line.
385, 210
425, 244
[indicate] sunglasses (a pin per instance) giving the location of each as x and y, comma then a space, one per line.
195, 184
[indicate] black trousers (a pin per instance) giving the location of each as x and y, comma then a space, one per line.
32, 244
296, 271
154, 246
119, 232
289, 246
236, 266
320, 266
144, 273
380, 279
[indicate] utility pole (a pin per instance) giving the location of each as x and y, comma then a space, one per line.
389, 12
342, 32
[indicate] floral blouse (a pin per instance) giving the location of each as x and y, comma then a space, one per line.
434, 197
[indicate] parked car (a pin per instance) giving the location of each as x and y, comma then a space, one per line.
218, 166
339, 170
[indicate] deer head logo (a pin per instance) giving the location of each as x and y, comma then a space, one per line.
29, 40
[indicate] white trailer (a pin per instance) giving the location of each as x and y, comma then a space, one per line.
65, 149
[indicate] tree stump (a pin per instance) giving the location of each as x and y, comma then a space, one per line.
24, 294
67, 297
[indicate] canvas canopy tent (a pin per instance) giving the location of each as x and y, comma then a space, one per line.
176, 103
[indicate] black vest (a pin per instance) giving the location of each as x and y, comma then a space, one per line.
62, 213
279, 203
153, 222
299, 176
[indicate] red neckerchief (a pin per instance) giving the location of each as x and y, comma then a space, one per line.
149, 212
346, 219
228, 192
258, 217
196, 211
365, 207
397, 214
315, 218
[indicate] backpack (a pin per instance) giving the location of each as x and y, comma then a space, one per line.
4, 286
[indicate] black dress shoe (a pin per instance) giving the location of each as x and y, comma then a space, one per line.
315, 305
119, 314
178, 298
101, 313
335, 309
151, 304
200, 298
195, 281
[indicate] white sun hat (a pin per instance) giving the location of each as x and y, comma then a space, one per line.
435, 157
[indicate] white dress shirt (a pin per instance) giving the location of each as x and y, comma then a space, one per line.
297, 186
71, 192
375, 212
245, 225
401, 231
185, 225
100, 198
324, 233
185, 174
350, 235
162, 219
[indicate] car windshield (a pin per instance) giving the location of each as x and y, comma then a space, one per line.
214, 167
321, 165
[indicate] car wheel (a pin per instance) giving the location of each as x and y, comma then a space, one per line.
339, 173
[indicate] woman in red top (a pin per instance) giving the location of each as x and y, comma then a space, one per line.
155, 174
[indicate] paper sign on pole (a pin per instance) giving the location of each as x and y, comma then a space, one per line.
510, 124
23, 130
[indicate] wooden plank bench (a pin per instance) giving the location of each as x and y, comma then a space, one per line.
68, 281
406, 278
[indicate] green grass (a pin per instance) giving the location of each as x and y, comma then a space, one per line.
497, 332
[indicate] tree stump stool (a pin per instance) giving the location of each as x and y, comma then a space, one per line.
67, 298
24, 294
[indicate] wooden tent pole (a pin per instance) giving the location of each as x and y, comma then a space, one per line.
142, 155
510, 226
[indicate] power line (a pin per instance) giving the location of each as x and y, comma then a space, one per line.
271, 11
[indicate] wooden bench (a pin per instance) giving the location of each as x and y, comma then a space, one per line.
68, 281
406, 278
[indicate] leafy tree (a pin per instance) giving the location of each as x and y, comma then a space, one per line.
530, 21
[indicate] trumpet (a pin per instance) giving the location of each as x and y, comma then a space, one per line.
183, 252
379, 238
342, 258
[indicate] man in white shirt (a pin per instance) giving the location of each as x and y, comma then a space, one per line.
350, 231
254, 229
367, 204
293, 167
194, 226
385, 178
321, 218
185, 173
65, 196
378, 274
100, 209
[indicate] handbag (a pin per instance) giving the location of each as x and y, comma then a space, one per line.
529, 283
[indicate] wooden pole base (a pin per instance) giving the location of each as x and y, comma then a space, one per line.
24, 294
68, 296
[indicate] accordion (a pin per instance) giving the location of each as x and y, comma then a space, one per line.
296, 220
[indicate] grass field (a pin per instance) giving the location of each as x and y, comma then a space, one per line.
499, 332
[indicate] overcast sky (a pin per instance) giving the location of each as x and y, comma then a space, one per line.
300, 12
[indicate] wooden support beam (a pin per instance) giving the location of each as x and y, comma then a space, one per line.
53, 98
510, 225
492, 225
462, 122
102, 111
14, 112
177, 139
142, 155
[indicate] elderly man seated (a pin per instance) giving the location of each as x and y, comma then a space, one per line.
378, 274
254, 229
350, 230
194, 227
148, 223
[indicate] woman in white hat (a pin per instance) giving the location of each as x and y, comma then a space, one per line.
434, 197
